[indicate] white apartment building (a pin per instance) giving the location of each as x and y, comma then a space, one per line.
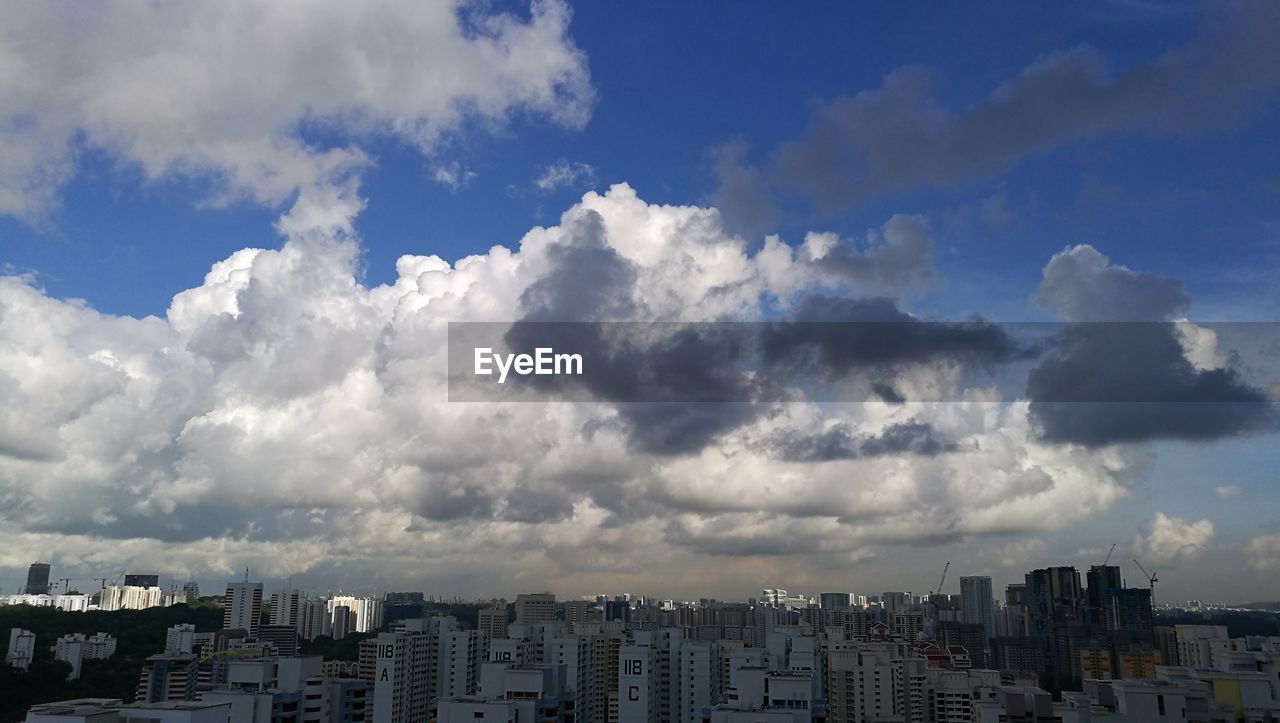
130, 597
243, 607
367, 611
70, 603
533, 608
180, 639
76, 648
22, 648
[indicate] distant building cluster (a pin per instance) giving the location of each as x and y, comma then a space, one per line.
125, 592
1058, 648
72, 649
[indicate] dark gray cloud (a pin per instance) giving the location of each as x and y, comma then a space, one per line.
684, 428
838, 336
537, 504
902, 135
840, 442
1120, 373
902, 261
443, 498
1154, 392
587, 280
746, 205
679, 387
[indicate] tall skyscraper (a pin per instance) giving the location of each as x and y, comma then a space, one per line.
1101, 580
342, 622
894, 601
314, 619
1056, 608
401, 678
977, 605
285, 607
243, 607
192, 590
37, 579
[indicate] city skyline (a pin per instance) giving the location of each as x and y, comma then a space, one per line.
228, 270
954, 586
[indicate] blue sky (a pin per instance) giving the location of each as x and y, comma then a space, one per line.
1121, 147
676, 80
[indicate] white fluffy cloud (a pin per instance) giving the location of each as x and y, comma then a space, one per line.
1173, 539
180, 88
285, 416
1264, 553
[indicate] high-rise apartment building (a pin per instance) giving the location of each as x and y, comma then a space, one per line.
367, 611
416, 666
533, 608
243, 607
22, 648
493, 622
180, 639
834, 600
167, 678
343, 622
977, 607
76, 648
130, 597
313, 618
285, 607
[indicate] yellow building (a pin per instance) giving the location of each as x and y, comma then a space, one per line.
1141, 666
1095, 664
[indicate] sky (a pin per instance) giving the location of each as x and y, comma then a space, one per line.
232, 236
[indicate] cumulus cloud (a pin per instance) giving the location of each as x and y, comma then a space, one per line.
284, 411
1264, 553
1125, 372
1228, 491
903, 135
1172, 539
157, 87
895, 259
1081, 284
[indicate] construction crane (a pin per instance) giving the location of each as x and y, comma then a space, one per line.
66, 584
1151, 581
943, 580
1113, 549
